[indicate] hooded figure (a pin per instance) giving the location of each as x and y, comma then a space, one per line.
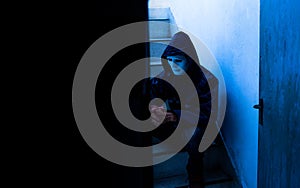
180, 57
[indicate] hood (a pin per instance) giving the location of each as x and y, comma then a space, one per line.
180, 44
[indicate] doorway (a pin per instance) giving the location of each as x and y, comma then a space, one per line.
231, 31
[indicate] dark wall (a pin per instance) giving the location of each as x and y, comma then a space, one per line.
75, 25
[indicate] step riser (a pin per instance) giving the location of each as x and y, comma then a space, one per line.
155, 70
173, 167
176, 165
156, 49
158, 13
159, 29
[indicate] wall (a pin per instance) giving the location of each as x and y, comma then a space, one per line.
72, 161
230, 29
279, 146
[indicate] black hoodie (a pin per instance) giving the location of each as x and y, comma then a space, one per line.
182, 45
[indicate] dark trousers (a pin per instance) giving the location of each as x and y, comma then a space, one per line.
194, 166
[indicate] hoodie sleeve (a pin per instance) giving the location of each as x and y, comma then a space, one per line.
156, 89
206, 97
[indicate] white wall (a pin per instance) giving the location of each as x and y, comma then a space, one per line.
230, 29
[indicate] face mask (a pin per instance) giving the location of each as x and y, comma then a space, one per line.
178, 64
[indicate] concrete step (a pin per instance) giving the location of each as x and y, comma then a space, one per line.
218, 169
155, 62
155, 68
159, 29
212, 179
228, 184
157, 47
160, 40
215, 176
171, 182
213, 157
174, 166
159, 13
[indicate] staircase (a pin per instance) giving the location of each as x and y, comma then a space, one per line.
218, 171
160, 33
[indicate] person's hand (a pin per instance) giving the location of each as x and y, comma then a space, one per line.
159, 115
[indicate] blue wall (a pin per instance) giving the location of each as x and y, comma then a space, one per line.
230, 29
279, 143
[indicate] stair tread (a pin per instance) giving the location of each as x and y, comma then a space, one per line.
155, 63
210, 178
159, 39
215, 176
159, 19
159, 13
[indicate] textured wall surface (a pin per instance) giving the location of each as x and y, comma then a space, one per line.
279, 147
230, 29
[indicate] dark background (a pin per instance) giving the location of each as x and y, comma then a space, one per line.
53, 36
89, 21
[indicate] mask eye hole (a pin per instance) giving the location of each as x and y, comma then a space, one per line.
175, 60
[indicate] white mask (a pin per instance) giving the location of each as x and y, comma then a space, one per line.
178, 64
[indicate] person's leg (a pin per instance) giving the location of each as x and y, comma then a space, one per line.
195, 161
164, 131
195, 170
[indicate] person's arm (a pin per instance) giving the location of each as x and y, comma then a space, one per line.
159, 113
191, 116
207, 96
